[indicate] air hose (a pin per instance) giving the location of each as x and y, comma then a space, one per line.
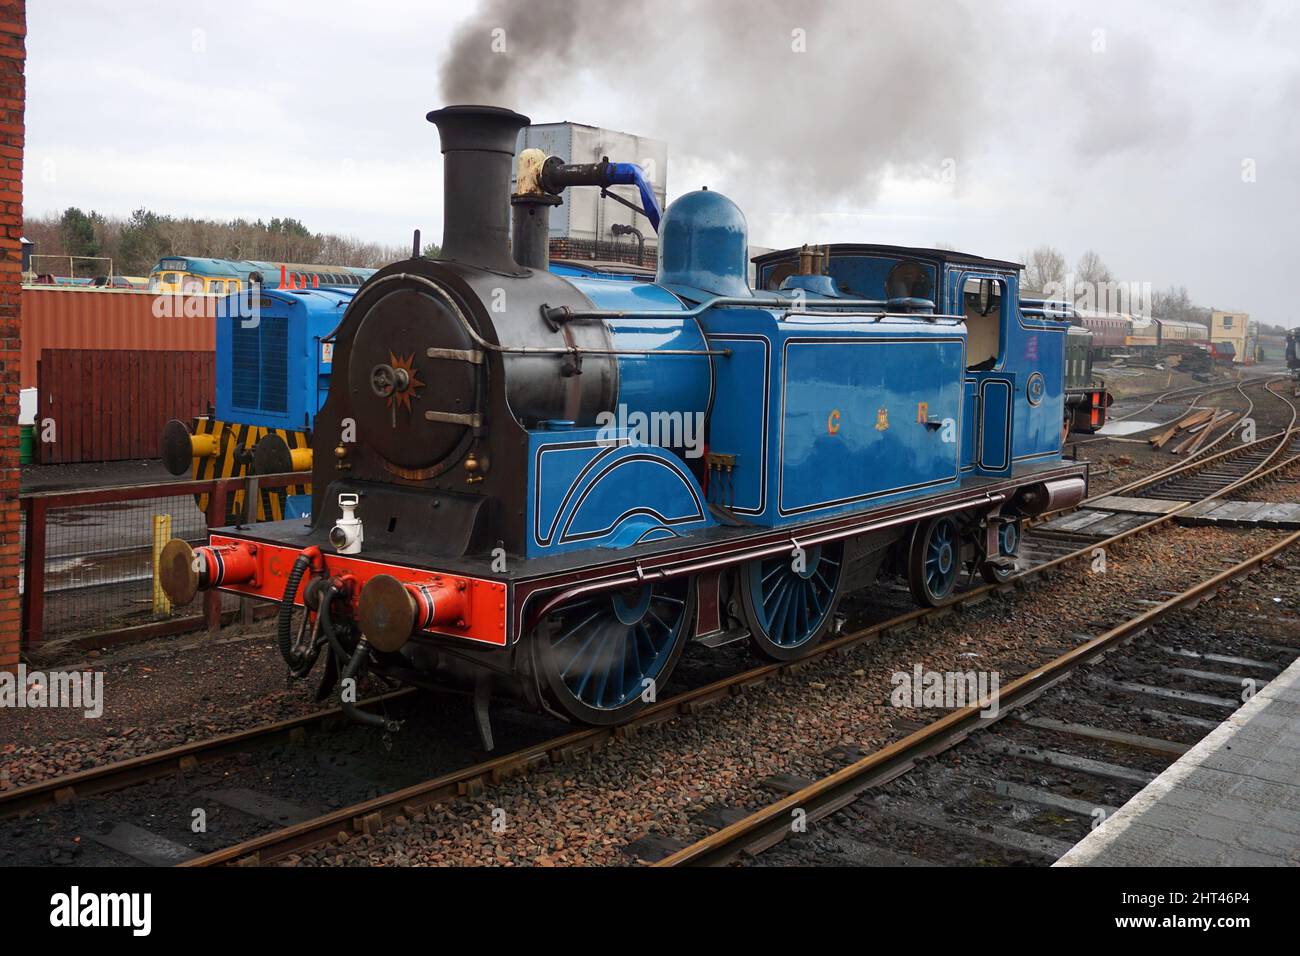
300, 660
352, 671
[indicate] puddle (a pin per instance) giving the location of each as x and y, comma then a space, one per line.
1127, 428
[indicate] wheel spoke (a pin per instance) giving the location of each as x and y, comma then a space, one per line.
817, 601
660, 622
576, 628
789, 606
636, 647
782, 612
586, 674
628, 638
801, 614
603, 664
564, 671
942, 562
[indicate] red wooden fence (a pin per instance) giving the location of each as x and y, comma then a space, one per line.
75, 317
112, 404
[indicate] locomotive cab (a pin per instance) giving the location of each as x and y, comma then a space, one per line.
982, 309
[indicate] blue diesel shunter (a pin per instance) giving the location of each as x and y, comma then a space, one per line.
545, 483
274, 354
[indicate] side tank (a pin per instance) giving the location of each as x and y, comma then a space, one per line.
655, 376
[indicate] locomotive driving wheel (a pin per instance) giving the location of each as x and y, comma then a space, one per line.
1003, 567
789, 600
934, 561
602, 658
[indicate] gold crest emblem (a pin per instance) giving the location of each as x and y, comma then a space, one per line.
882, 418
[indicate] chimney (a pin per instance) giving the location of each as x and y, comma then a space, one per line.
478, 147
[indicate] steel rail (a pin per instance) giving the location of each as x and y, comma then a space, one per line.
124, 773
1199, 462
772, 823
1198, 392
1195, 462
1195, 457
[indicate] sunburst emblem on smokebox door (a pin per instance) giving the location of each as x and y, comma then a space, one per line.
396, 383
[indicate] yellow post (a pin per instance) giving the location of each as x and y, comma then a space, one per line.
162, 533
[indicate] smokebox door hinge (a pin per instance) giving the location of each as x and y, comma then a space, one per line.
473, 356
454, 418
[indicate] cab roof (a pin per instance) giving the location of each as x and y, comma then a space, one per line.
903, 252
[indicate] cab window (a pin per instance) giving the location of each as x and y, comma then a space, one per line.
982, 300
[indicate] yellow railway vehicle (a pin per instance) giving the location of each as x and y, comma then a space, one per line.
195, 275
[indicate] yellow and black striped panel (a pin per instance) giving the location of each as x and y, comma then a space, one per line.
273, 498
235, 444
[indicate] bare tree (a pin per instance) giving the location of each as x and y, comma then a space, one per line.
1093, 285
1173, 303
1091, 269
1045, 266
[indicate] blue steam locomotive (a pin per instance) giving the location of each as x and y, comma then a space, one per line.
546, 485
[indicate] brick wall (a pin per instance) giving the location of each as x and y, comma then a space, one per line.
13, 30
625, 251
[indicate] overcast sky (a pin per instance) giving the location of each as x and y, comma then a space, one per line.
1166, 136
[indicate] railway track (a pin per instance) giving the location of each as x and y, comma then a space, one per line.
1201, 453
181, 759
1044, 551
471, 781
1028, 784
1231, 465
1197, 392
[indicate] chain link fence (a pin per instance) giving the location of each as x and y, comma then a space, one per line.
89, 569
